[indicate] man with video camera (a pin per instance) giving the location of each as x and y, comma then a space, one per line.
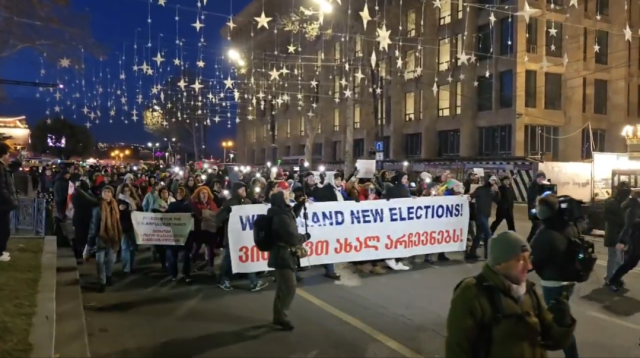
553, 251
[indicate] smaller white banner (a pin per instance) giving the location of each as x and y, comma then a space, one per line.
160, 228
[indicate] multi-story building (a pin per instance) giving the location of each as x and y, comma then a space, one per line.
562, 84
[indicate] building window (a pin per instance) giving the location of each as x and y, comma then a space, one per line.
449, 143
413, 145
602, 7
592, 141
584, 95
356, 116
460, 8
411, 23
444, 54
358, 148
336, 51
419, 104
252, 136
445, 12
506, 36
411, 62
485, 93
319, 127
409, 104
530, 88
287, 151
336, 120
337, 150
336, 87
302, 131
494, 140
506, 89
541, 140
483, 42
317, 150
459, 48
458, 98
532, 35
303, 148
553, 91
444, 101
358, 46
600, 92
555, 2
553, 39
602, 40
265, 130
288, 128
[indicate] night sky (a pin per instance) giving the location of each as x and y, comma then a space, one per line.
114, 24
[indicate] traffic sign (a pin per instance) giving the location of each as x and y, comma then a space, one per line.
379, 156
379, 146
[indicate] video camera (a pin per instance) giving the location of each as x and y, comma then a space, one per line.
570, 209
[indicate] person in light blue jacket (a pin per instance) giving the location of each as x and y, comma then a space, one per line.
150, 200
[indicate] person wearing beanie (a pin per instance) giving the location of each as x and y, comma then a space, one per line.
499, 313
629, 241
238, 197
549, 248
105, 233
399, 188
484, 197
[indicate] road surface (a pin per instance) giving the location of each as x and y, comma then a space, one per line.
400, 314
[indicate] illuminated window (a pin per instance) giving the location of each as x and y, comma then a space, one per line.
459, 47
265, 130
444, 54
336, 87
336, 51
358, 46
458, 97
411, 62
356, 116
443, 100
460, 8
275, 130
445, 12
302, 131
288, 128
336, 120
319, 127
411, 23
409, 106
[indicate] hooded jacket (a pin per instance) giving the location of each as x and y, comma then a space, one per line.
472, 311
549, 246
285, 232
630, 235
222, 217
485, 197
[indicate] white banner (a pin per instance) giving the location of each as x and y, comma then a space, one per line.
160, 228
369, 230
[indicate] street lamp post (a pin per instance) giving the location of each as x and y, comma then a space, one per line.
225, 145
153, 150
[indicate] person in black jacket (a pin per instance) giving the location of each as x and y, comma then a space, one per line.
532, 194
8, 201
128, 202
282, 256
549, 255
613, 225
628, 242
61, 193
484, 196
180, 205
504, 211
82, 210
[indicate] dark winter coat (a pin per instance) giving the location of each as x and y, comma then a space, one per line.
397, 191
630, 235
507, 198
549, 247
8, 194
485, 197
83, 202
222, 217
613, 220
471, 311
325, 193
125, 216
285, 233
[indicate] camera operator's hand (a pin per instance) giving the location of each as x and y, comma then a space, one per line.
307, 237
561, 312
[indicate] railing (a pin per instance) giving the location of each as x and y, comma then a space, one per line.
30, 217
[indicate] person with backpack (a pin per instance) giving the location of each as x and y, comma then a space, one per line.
284, 255
551, 252
499, 312
238, 197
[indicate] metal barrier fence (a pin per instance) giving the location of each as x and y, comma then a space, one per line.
30, 218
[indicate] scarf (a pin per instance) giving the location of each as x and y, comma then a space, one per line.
110, 229
128, 199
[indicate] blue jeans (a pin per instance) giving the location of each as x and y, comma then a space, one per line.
613, 261
104, 262
128, 247
482, 232
173, 253
227, 271
329, 269
552, 293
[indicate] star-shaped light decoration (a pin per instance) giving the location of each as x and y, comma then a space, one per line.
200, 63
231, 24
573, 3
553, 31
627, 33
64, 62
182, 84
198, 25
347, 93
291, 48
492, 18
527, 12
383, 37
314, 83
263, 21
228, 83
162, 2
158, 58
364, 14
274, 74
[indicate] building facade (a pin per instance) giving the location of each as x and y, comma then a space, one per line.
561, 85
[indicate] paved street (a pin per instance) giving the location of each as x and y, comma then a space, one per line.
400, 314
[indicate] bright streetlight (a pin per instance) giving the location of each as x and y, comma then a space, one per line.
233, 55
225, 145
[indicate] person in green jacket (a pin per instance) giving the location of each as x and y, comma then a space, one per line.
499, 313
